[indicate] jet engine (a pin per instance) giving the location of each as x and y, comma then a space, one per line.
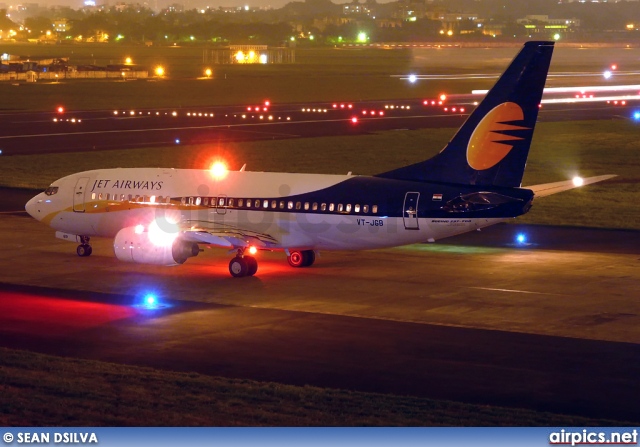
140, 245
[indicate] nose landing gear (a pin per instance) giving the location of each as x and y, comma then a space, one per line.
84, 249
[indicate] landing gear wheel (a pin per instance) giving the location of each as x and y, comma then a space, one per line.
252, 265
303, 258
309, 258
238, 267
84, 250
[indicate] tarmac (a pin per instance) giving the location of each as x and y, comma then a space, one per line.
552, 324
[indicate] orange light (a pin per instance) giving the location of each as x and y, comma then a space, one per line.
60, 109
218, 169
267, 103
443, 97
614, 67
253, 250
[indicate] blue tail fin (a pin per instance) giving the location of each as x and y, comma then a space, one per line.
492, 146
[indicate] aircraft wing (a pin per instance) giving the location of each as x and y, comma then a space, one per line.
227, 237
548, 189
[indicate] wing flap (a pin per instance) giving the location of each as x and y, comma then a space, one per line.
548, 189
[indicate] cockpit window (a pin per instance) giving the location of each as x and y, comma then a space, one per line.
51, 190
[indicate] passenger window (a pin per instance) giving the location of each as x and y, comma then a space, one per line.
347, 208
152, 199
231, 202
290, 205
274, 204
198, 201
265, 203
298, 205
356, 208
131, 198
248, 203
190, 200
374, 209
240, 203
340, 207
167, 199
205, 201
93, 196
122, 197
100, 196
108, 196
365, 209
221, 201
331, 207
257, 203
282, 204
323, 207
306, 206
314, 207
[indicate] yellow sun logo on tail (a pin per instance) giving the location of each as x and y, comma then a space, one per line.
489, 143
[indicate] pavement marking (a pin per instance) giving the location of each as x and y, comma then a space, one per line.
518, 291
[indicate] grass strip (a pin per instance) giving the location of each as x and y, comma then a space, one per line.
43, 390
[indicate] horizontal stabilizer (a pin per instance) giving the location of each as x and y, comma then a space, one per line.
548, 189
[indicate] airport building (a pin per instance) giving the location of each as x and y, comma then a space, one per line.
249, 54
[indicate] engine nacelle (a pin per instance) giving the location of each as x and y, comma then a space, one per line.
132, 244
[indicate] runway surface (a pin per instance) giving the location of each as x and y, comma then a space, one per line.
77, 131
553, 325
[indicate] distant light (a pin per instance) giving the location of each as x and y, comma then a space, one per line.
263, 59
578, 181
443, 97
208, 72
413, 78
159, 71
636, 116
521, 238
354, 120
253, 250
139, 229
362, 37
128, 61
60, 109
556, 37
267, 103
177, 140
0, 151
607, 74
150, 300
614, 67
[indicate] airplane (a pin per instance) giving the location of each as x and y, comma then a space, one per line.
161, 216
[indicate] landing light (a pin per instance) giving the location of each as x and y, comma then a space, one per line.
521, 238
253, 250
607, 74
413, 78
578, 181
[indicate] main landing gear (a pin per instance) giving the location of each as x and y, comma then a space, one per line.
243, 265
84, 249
303, 258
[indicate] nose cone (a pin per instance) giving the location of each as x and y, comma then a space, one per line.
34, 207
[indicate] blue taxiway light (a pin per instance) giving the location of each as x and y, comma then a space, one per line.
177, 141
521, 238
636, 116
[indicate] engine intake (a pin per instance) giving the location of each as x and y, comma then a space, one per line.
130, 245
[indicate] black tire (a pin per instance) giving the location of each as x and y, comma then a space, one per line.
252, 265
238, 267
309, 258
89, 250
83, 250
296, 259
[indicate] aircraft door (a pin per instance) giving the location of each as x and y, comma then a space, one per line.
78, 194
221, 204
410, 211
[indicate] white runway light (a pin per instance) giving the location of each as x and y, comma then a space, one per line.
578, 181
